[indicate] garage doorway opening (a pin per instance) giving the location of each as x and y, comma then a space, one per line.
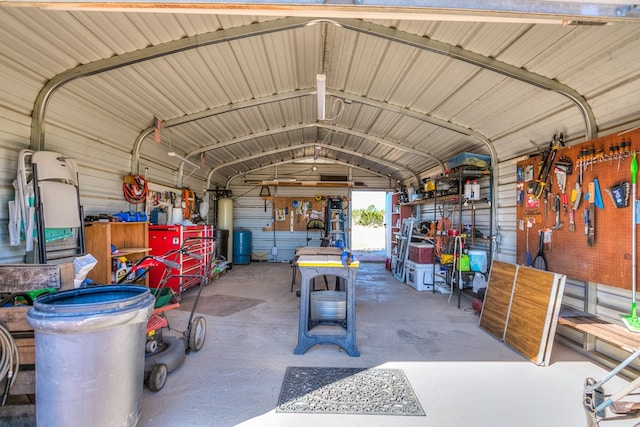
368, 221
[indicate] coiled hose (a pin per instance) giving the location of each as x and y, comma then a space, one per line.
9, 361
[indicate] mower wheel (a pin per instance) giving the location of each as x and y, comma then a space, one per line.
157, 377
197, 333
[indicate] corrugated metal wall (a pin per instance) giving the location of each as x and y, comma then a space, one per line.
249, 208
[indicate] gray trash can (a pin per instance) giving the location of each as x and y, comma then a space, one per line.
90, 355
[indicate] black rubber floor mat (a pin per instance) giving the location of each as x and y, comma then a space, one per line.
219, 305
373, 391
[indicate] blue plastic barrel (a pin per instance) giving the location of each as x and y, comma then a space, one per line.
241, 246
90, 355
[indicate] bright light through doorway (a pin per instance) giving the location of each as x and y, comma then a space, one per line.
368, 238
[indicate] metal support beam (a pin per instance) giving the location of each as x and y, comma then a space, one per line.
285, 162
313, 144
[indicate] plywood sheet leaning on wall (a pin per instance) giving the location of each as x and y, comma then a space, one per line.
497, 299
533, 314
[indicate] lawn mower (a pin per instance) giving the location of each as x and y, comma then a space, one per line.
164, 354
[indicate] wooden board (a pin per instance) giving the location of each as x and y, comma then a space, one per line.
609, 260
312, 250
612, 333
283, 222
28, 277
533, 313
497, 300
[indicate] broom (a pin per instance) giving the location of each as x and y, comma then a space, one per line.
631, 321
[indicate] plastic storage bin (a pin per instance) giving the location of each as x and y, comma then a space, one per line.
478, 260
469, 159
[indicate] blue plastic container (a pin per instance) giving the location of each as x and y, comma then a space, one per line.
90, 355
241, 246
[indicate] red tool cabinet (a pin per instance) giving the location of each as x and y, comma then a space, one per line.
165, 238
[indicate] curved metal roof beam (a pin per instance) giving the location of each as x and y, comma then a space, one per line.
480, 61
298, 126
284, 162
135, 159
302, 126
96, 67
152, 52
310, 144
422, 117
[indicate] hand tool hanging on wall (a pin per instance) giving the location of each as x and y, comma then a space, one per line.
540, 183
591, 230
576, 195
539, 261
619, 194
556, 207
580, 163
264, 193
564, 167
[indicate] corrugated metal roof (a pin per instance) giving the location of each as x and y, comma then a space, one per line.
387, 85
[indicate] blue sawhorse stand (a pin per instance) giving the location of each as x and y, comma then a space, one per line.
313, 266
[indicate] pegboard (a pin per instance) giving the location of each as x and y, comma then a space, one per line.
609, 259
290, 213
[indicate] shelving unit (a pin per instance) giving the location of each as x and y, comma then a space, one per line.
399, 212
463, 209
131, 239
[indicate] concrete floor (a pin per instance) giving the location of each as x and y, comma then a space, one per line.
460, 374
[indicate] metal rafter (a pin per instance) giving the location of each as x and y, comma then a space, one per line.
481, 61
299, 126
312, 144
151, 52
285, 162
135, 160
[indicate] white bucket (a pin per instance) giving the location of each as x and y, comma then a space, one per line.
478, 260
177, 216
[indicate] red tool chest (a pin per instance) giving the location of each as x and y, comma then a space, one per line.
165, 238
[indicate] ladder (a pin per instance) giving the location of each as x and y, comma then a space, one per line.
399, 272
335, 224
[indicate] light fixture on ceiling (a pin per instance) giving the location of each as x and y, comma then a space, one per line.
177, 156
316, 152
314, 168
321, 84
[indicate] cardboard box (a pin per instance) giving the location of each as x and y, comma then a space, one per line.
422, 253
67, 273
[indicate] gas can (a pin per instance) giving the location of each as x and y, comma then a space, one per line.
462, 263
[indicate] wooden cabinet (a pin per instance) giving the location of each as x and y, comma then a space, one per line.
399, 212
131, 239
